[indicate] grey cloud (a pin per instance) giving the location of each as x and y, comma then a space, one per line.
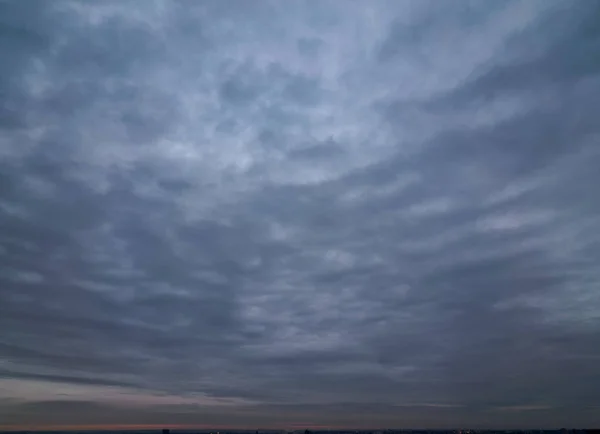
58, 379
309, 46
300, 212
546, 69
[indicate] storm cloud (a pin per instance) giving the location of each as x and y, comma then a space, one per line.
299, 213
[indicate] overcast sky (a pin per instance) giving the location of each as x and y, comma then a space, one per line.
300, 213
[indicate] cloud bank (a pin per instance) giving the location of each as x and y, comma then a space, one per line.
268, 214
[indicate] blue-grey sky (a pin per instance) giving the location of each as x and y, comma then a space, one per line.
278, 213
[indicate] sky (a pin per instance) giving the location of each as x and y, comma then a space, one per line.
300, 213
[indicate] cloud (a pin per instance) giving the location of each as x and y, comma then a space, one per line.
285, 215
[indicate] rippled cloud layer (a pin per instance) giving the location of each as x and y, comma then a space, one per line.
271, 213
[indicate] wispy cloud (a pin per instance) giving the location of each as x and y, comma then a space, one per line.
525, 408
324, 208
